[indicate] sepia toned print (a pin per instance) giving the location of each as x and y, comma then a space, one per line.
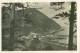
39, 26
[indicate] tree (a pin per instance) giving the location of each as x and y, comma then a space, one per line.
71, 16
71, 27
59, 5
12, 26
7, 15
10, 12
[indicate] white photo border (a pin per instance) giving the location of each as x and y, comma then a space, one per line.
78, 26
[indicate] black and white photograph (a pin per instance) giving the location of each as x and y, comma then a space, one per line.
39, 26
